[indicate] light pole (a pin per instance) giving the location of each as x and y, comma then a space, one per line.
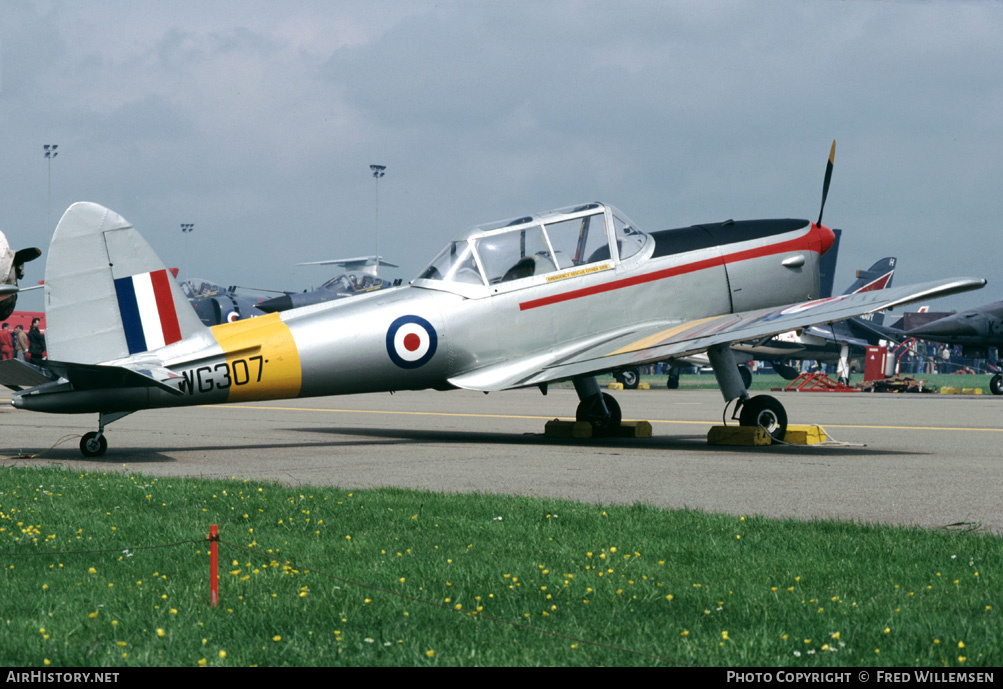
50, 153
186, 229
378, 171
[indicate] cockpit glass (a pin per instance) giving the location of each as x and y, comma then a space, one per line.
579, 240
513, 255
629, 239
455, 264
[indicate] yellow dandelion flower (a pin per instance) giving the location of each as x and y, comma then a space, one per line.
430, 653
222, 654
91, 570
93, 615
724, 635
160, 632
202, 662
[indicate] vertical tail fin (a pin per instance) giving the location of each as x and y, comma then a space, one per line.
107, 294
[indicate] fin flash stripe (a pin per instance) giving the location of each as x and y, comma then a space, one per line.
146, 305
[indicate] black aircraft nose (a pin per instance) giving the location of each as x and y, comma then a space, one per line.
283, 303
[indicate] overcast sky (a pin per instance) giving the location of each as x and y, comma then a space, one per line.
257, 122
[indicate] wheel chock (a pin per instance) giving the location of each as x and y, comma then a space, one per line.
634, 429
737, 435
558, 428
950, 391
583, 429
751, 436
616, 386
644, 386
971, 391
804, 435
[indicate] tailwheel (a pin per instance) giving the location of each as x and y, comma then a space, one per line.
604, 421
765, 411
996, 384
93, 444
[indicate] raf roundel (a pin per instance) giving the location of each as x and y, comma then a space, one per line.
411, 341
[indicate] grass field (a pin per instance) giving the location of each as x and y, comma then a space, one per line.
112, 570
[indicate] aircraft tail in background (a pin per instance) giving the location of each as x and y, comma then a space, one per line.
878, 276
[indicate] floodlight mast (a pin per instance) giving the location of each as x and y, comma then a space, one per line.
378, 171
50, 153
186, 229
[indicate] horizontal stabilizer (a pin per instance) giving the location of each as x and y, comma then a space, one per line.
17, 375
98, 377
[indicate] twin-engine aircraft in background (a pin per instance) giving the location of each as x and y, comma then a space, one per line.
543, 298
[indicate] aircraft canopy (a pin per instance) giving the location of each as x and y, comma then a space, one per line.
507, 250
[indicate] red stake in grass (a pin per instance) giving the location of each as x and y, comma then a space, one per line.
214, 565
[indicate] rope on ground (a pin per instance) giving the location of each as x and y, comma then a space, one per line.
68, 436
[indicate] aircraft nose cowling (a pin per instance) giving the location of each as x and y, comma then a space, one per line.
824, 236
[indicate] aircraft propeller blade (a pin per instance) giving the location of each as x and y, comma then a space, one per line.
828, 178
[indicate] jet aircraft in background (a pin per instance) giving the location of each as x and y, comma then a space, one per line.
546, 297
359, 278
976, 330
215, 305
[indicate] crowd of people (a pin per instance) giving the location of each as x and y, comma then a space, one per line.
17, 344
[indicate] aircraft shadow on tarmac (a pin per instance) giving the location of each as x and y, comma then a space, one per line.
391, 438
681, 442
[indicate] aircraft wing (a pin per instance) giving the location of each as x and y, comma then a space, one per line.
649, 342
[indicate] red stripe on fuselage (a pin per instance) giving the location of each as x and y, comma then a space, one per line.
799, 244
165, 306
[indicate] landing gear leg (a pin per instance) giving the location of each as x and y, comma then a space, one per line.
596, 406
94, 444
761, 410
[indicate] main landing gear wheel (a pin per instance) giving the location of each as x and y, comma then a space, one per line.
630, 378
765, 411
996, 384
591, 410
93, 444
673, 381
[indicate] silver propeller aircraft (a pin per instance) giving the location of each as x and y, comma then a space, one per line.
543, 298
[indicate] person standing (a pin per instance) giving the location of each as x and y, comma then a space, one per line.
36, 341
6, 343
20, 342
